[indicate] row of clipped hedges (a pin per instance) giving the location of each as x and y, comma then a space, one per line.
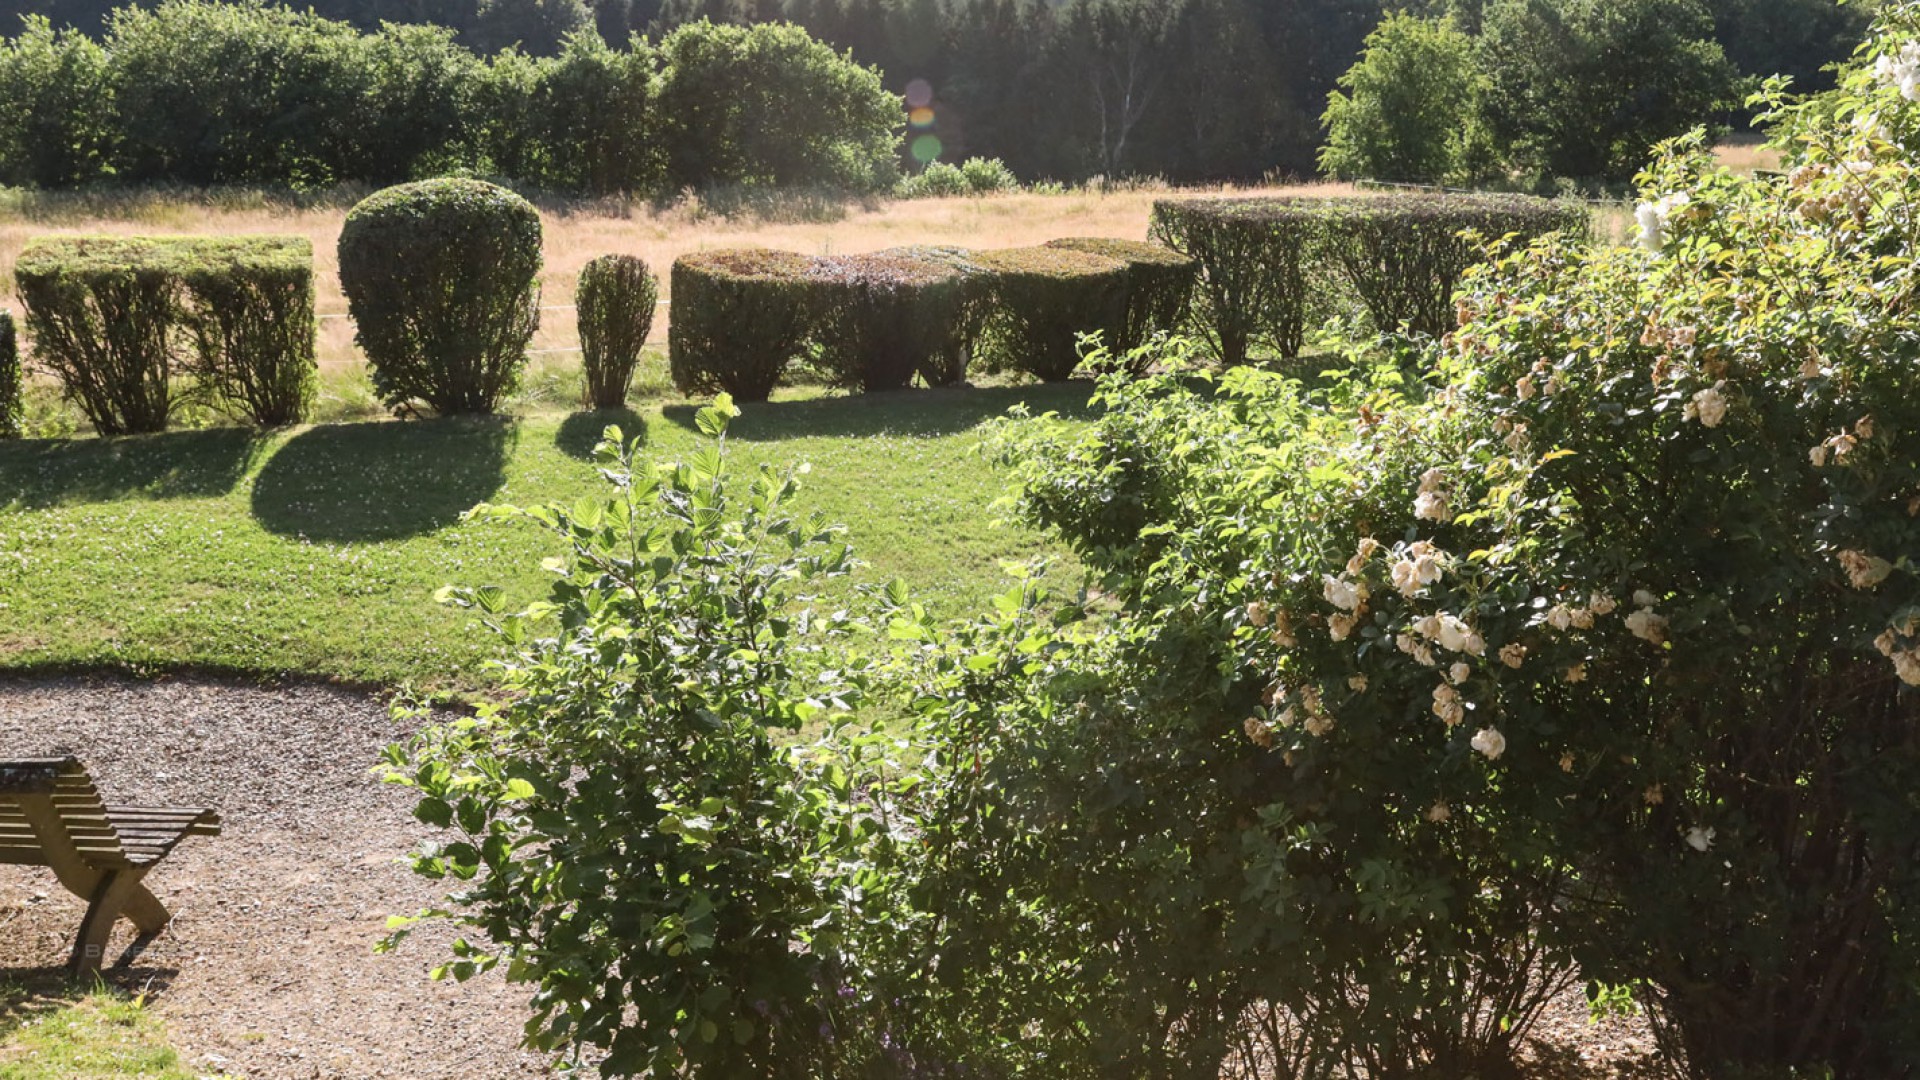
10, 380
116, 319
874, 322
1268, 265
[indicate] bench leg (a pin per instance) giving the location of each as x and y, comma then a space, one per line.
111, 897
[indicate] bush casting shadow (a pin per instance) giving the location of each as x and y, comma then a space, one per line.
926, 413
384, 480
39, 473
580, 432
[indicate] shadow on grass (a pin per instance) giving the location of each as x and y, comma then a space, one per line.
39, 473
385, 480
580, 432
944, 411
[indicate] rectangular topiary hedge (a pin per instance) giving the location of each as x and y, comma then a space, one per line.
11, 381
116, 319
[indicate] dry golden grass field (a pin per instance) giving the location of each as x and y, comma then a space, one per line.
576, 235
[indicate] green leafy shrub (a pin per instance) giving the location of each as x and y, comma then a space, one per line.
1255, 257
442, 277
617, 298
249, 309
1160, 284
104, 315
881, 319
12, 381
1044, 299
640, 829
1409, 108
988, 176
116, 319
57, 120
938, 180
968, 311
738, 318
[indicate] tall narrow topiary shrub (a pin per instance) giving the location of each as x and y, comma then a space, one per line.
10, 380
103, 313
249, 308
442, 279
616, 300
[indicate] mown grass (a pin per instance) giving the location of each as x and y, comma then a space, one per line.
78, 1035
316, 551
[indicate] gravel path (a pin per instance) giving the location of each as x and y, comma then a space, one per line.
268, 969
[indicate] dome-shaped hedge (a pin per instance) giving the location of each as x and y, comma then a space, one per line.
442, 280
1045, 298
738, 317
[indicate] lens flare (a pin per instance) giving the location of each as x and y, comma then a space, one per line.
921, 118
919, 94
926, 149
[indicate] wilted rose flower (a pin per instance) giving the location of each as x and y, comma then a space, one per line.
1459, 672
1560, 617
1340, 626
1357, 683
1257, 613
1282, 632
1345, 595
1643, 598
1699, 839
1654, 795
1582, 619
1513, 654
1448, 706
1577, 673
1439, 812
1566, 762
1489, 742
1819, 454
1318, 724
1710, 405
1259, 732
1524, 388
1368, 545
1452, 634
1430, 506
1601, 604
1864, 571
1406, 577
1647, 626
1810, 368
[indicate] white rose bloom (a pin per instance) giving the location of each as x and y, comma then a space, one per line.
1459, 672
1818, 455
1426, 569
1406, 577
1513, 654
1257, 613
1699, 839
1560, 617
1368, 545
1430, 506
1652, 225
1710, 405
1448, 706
1427, 626
1490, 742
1357, 683
1318, 725
1643, 598
1405, 643
1647, 626
1432, 479
1582, 619
1524, 389
1453, 634
1476, 645
1601, 604
1424, 655
1345, 595
1340, 626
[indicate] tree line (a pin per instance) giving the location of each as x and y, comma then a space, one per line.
1189, 90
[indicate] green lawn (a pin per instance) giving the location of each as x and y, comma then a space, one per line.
317, 551
70, 1035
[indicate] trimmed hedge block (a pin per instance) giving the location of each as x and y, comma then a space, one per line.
738, 318
616, 300
442, 277
1044, 299
116, 318
11, 382
1254, 256
1160, 285
881, 319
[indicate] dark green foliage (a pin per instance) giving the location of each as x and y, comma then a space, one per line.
738, 318
250, 311
442, 279
56, 108
592, 118
1044, 300
1402, 256
1409, 108
1160, 285
768, 107
616, 301
535, 27
881, 319
116, 318
1254, 258
11, 380
104, 315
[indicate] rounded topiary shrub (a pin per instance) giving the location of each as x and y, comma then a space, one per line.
442, 280
11, 414
1159, 287
883, 318
738, 317
1044, 299
616, 300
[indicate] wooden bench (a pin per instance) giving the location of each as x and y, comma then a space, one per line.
51, 815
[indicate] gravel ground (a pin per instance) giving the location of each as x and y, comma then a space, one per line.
268, 969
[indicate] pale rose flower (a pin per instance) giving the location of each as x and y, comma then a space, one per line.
1710, 405
1489, 742
1560, 617
1318, 725
1406, 577
1819, 454
1357, 683
1517, 439
1405, 643
1282, 632
1257, 613
1863, 429
1576, 674
1887, 643
1513, 654
1285, 719
1907, 666
1582, 619
1259, 732
1654, 795
1647, 626
1309, 698
1647, 215
1339, 627
1424, 655
1901, 70
1452, 634
1524, 389
1476, 645
1643, 598
1864, 571
1448, 706
1368, 545
1432, 479
1554, 384
1459, 672
1439, 812
1430, 506
1699, 839
1566, 762
1502, 425
1426, 569
1810, 368
1841, 445
1601, 604
1345, 595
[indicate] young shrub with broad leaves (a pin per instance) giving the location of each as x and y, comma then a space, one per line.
442, 277
881, 319
1160, 285
646, 829
1044, 300
1600, 655
617, 298
12, 383
739, 317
